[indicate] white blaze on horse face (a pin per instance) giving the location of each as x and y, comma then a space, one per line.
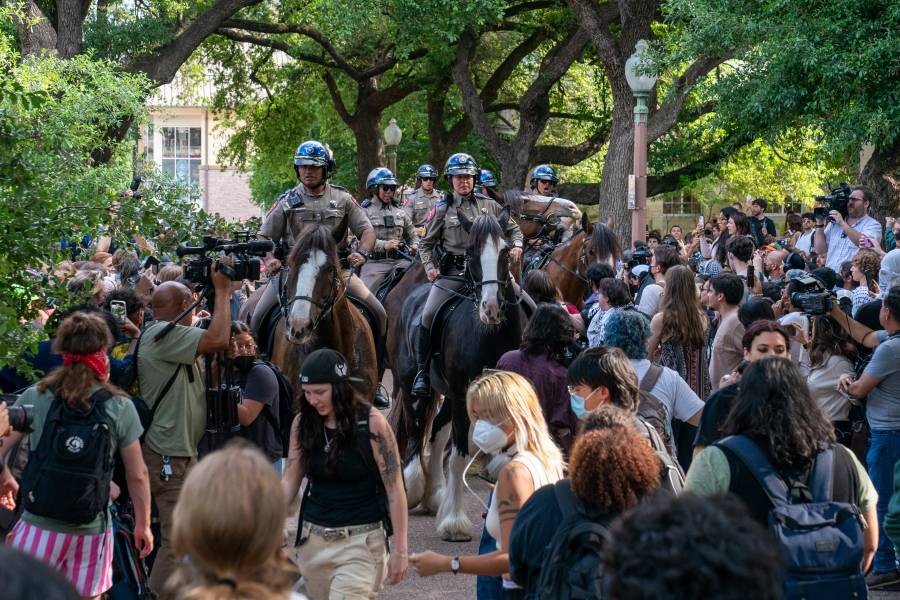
489, 309
569, 220
306, 283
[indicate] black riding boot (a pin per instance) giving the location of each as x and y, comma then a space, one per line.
381, 401
422, 385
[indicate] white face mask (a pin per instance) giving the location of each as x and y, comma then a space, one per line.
489, 438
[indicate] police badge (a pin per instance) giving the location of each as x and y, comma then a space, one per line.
332, 203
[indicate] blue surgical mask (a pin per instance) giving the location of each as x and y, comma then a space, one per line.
577, 404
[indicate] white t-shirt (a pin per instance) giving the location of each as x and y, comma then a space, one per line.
805, 242
675, 394
823, 382
841, 248
649, 304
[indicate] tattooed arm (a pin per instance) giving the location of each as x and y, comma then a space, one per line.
514, 487
387, 457
293, 467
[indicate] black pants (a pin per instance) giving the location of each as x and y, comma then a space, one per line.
513, 593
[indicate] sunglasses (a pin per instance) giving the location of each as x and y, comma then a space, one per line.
389, 188
428, 179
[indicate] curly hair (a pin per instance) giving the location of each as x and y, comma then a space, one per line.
628, 330
685, 547
608, 416
550, 331
683, 319
869, 263
775, 404
612, 469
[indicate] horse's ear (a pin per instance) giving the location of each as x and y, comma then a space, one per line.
503, 218
586, 223
464, 221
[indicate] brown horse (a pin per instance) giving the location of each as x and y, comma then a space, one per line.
568, 263
542, 218
318, 314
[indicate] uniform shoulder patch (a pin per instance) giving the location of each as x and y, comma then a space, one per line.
366, 203
339, 187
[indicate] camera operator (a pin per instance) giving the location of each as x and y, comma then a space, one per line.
8, 485
841, 238
168, 376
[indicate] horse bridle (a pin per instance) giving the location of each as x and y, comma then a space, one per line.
581, 262
325, 308
542, 220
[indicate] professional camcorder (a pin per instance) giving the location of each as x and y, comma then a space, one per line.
640, 256
837, 200
812, 298
242, 249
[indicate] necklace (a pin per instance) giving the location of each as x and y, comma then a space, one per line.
328, 440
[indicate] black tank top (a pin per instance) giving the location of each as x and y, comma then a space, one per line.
345, 496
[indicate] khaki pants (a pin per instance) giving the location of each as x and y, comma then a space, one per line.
374, 271
351, 568
165, 494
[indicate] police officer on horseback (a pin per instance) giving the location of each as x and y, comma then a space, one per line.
419, 201
315, 201
544, 180
489, 185
443, 248
393, 228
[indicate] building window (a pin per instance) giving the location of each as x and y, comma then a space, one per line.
180, 153
681, 204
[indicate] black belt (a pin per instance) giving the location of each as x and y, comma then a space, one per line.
453, 261
388, 254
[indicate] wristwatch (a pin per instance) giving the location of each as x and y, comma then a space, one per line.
454, 565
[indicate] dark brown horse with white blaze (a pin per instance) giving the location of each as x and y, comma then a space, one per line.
318, 314
486, 320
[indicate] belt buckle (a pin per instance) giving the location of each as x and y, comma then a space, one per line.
333, 534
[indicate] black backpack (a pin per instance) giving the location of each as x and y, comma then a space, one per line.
572, 560
672, 475
284, 420
67, 476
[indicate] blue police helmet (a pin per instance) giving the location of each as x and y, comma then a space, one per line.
315, 154
488, 179
380, 176
544, 173
426, 171
461, 164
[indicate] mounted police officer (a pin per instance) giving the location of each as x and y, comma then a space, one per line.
447, 232
393, 227
316, 202
544, 180
489, 185
419, 201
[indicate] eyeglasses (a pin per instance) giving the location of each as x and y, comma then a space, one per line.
251, 347
389, 188
428, 179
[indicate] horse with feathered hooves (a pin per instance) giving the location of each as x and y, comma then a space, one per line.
477, 326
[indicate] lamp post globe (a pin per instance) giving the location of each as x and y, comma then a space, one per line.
392, 136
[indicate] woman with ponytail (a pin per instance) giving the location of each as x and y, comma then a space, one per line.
66, 520
228, 530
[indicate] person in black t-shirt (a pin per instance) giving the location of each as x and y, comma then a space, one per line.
762, 339
761, 227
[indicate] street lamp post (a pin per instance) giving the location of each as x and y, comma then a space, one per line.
392, 137
641, 85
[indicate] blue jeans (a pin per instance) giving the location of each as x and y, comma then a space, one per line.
488, 588
884, 452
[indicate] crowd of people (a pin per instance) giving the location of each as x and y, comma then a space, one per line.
714, 389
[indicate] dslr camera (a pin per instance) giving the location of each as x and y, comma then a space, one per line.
812, 298
242, 249
837, 200
20, 417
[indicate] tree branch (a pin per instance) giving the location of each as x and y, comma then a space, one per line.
596, 20
492, 87
162, 65
665, 117
667, 182
554, 65
337, 100
518, 9
381, 99
247, 38
471, 100
572, 155
390, 63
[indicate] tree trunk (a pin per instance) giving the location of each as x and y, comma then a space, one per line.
614, 177
369, 144
70, 15
39, 35
881, 174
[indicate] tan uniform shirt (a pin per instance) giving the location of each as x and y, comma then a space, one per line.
446, 230
418, 204
298, 208
390, 222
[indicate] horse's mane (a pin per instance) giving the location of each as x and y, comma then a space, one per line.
317, 237
483, 228
605, 243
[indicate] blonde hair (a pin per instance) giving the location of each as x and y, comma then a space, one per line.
503, 395
229, 524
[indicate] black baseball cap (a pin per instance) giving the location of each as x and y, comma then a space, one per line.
325, 366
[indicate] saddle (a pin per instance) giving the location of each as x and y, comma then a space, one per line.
537, 259
370, 318
392, 279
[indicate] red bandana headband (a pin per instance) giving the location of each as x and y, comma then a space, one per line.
97, 361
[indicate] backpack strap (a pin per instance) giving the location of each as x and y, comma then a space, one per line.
364, 439
565, 498
162, 395
650, 378
756, 461
821, 480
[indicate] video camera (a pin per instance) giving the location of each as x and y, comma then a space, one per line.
640, 256
812, 298
242, 249
837, 200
